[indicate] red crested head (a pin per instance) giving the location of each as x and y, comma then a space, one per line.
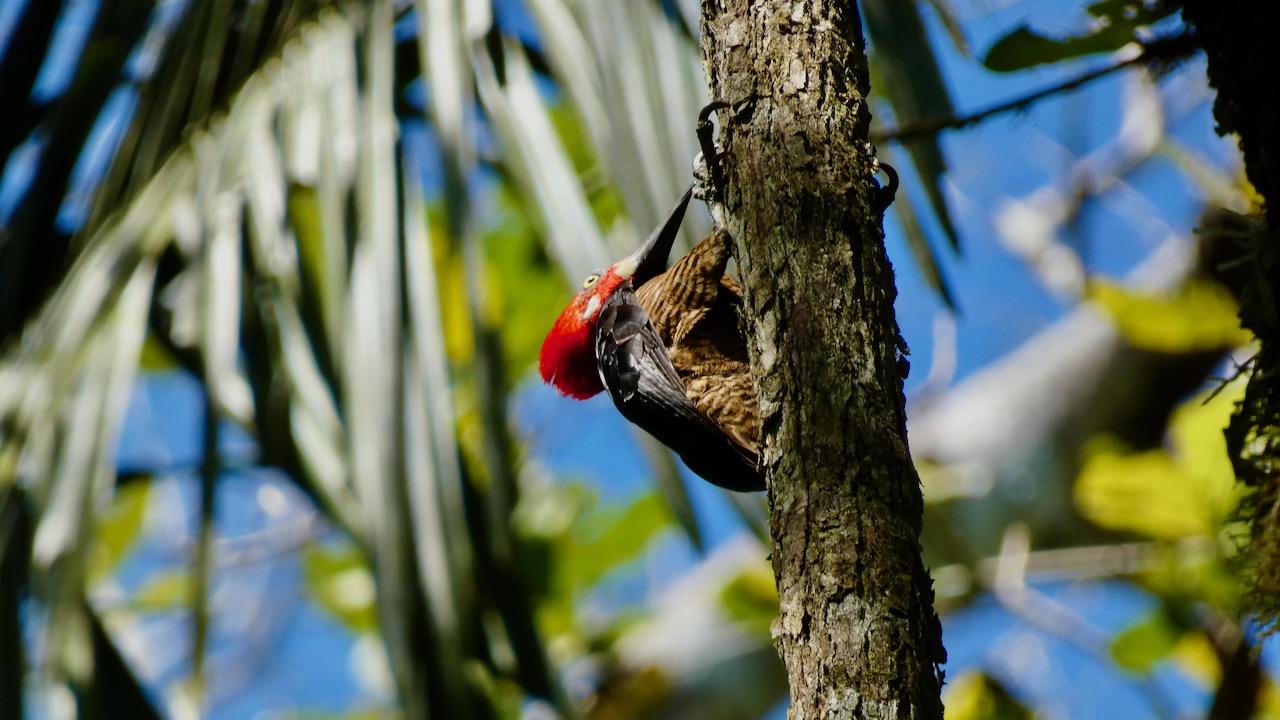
568, 357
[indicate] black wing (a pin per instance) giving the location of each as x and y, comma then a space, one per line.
646, 389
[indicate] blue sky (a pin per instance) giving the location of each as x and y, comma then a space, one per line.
308, 660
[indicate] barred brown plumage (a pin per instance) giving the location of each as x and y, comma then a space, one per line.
670, 349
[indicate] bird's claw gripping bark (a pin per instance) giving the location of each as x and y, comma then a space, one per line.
708, 173
704, 191
884, 193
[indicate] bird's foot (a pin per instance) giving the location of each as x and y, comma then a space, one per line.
705, 191
708, 173
884, 193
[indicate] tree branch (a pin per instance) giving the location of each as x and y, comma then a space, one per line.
1157, 52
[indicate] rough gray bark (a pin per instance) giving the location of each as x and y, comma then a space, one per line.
857, 628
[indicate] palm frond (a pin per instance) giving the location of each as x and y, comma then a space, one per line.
257, 220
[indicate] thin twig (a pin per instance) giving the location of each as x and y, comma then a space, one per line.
1157, 51
1057, 619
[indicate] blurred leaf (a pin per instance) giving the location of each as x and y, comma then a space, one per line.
542, 520
338, 578
606, 539
506, 698
1186, 491
539, 162
1147, 492
950, 23
597, 542
976, 696
117, 528
528, 290
451, 275
671, 485
1113, 27
911, 79
307, 223
1200, 316
1195, 432
155, 356
644, 693
925, 260
1184, 574
751, 598
1268, 698
1143, 645
166, 590
1195, 654
1023, 48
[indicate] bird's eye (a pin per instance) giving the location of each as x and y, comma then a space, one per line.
592, 279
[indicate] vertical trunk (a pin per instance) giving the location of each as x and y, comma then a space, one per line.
1244, 67
857, 628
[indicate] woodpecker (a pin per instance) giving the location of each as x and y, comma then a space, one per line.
669, 347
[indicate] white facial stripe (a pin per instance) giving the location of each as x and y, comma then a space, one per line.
592, 306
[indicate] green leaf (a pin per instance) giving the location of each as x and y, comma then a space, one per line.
118, 528
976, 696
166, 590
1200, 316
338, 578
1188, 490
307, 223
1024, 48
1113, 27
751, 598
1197, 657
1147, 493
155, 356
606, 539
596, 543
527, 290
911, 78
1140, 647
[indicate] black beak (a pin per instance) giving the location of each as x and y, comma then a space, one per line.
650, 260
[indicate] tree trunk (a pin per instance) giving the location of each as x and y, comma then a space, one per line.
1244, 67
856, 628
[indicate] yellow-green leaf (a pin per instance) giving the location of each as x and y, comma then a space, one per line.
606, 539
155, 356
166, 590
751, 598
1195, 432
1143, 645
338, 578
975, 696
1145, 492
118, 528
1200, 316
308, 228
1167, 494
1196, 655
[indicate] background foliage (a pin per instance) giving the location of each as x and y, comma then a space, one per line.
273, 275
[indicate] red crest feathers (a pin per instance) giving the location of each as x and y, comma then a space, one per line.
568, 359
